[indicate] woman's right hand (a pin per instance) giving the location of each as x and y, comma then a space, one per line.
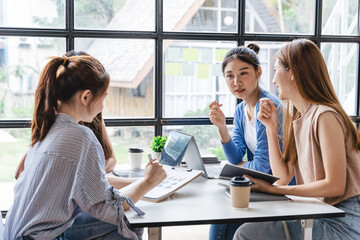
154, 174
217, 116
267, 114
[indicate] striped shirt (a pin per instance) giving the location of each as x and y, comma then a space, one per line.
63, 176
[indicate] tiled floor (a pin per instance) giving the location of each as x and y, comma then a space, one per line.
197, 232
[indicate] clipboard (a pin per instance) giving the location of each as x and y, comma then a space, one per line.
177, 177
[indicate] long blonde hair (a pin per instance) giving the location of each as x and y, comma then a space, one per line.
312, 79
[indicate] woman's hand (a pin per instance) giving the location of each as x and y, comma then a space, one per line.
154, 174
260, 185
267, 114
217, 116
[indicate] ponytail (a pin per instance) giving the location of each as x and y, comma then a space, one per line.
45, 101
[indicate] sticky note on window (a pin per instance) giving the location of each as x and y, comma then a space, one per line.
188, 69
173, 54
216, 69
190, 54
220, 54
203, 71
206, 55
172, 69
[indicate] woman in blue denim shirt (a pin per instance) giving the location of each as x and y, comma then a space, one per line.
242, 71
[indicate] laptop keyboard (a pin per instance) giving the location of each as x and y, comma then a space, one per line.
213, 171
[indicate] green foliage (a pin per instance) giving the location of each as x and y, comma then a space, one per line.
158, 143
102, 11
198, 113
54, 22
218, 151
24, 111
202, 133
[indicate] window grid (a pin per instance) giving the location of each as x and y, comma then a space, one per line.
159, 121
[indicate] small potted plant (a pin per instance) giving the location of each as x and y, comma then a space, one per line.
158, 145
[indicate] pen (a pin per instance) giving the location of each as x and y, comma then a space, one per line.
150, 158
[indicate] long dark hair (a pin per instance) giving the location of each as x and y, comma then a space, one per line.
61, 78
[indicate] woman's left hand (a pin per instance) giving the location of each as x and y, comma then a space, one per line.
260, 185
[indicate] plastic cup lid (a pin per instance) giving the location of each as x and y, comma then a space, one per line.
240, 181
135, 150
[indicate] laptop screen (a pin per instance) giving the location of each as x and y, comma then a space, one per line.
174, 149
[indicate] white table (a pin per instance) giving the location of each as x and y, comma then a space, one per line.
204, 202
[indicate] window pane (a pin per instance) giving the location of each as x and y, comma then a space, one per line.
193, 77
211, 16
32, 13
22, 59
340, 17
290, 16
14, 144
342, 62
129, 15
267, 59
207, 137
130, 64
123, 138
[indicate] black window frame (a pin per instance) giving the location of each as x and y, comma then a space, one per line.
158, 121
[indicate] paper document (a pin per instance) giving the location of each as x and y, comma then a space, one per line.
177, 177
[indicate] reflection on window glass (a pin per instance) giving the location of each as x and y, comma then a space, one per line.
32, 13
342, 62
115, 15
14, 144
130, 63
123, 138
21, 60
280, 16
267, 59
193, 78
340, 17
201, 16
207, 137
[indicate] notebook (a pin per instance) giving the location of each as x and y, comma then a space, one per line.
230, 171
181, 146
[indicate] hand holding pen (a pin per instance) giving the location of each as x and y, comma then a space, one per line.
154, 172
150, 158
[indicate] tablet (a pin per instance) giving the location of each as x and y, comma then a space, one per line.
230, 171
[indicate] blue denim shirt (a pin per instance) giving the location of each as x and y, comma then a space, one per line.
236, 148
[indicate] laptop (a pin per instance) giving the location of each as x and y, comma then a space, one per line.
172, 154
182, 147
179, 147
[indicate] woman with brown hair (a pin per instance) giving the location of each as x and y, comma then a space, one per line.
321, 147
99, 129
64, 168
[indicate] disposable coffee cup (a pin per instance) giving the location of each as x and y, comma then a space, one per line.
240, 192
135, 158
